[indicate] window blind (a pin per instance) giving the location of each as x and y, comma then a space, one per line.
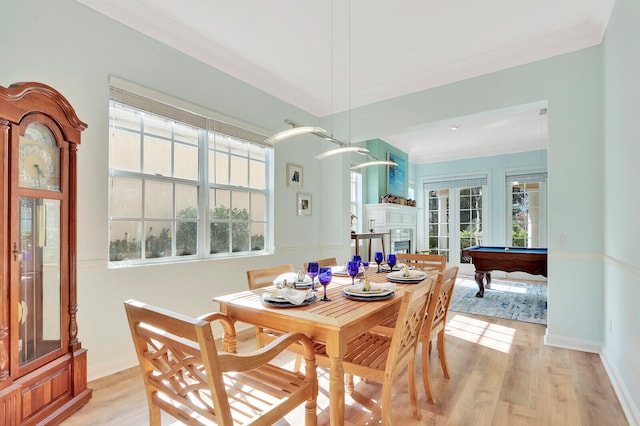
469, 182
526, 177
172, 112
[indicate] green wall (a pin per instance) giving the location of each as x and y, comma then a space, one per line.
375, 177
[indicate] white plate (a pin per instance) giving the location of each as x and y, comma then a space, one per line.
357, 290
413, 275
273, 297
284, 304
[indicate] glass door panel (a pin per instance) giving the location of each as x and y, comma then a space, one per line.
39, 289
438, 218
453, 209
528, 214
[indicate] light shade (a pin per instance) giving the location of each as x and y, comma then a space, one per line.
342, 150
374, 163
295, 131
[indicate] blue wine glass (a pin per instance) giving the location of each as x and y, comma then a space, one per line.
312, 271
325, 278
391, 260
353, 268
357, 259
379, 258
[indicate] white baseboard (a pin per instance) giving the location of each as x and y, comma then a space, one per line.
572, 343
629, 407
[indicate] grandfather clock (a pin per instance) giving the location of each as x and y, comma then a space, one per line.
43, 367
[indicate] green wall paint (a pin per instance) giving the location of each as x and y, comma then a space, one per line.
375, 177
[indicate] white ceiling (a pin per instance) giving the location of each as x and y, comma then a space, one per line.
327, 56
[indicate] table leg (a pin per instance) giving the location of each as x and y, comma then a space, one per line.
335, 349
336, 391
480, 281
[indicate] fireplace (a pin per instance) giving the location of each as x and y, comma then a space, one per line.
401, 247
400, 222
401, 240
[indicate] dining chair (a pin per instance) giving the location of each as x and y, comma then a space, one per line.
330, 261
264, 277
423, 261
429, 263
435, 326
187, 377
382, 357
258, 278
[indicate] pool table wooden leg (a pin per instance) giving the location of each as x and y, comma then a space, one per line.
480, 276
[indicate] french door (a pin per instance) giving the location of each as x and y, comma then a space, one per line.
455, 218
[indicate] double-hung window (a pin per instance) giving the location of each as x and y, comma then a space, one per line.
183, 185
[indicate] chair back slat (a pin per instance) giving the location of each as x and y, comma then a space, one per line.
264, 277
425, 262
409, 324
439, 308
330, 261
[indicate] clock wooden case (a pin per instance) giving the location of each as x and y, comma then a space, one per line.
43, 367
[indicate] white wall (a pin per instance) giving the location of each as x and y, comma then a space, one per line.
622, 204
74, 49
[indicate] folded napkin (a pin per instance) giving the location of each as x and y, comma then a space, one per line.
293, 296
339, 269
397, 266
290, 277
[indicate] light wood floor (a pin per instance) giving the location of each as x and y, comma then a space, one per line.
501, 374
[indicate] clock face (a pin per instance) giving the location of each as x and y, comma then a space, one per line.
39, 159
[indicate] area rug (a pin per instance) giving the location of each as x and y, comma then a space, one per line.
505, 299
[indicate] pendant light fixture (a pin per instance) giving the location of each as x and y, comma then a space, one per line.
344, 148
295, 130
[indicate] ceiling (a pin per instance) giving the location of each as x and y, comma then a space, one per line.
329, 56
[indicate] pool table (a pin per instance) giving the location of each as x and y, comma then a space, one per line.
507, 259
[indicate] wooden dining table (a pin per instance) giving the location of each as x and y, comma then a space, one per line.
332, 323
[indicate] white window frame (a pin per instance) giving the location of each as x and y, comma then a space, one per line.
540, 177
355, 197
209, 124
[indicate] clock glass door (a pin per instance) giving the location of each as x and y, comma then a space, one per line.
39, 159
39, 290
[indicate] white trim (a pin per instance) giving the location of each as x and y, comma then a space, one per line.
572, 343
631, 411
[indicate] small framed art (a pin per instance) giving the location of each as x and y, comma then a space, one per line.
303, 203
294, 176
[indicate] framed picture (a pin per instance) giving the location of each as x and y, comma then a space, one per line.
303, 203
396, 176
294, 176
